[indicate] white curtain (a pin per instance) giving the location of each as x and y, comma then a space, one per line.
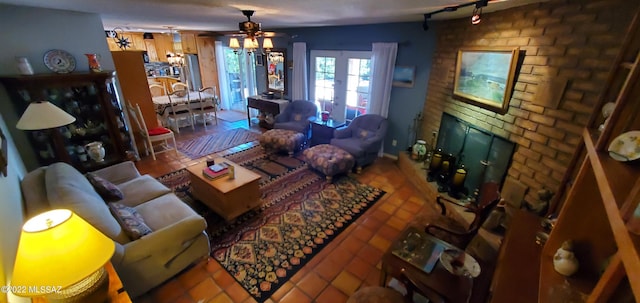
383, 61
300, 90
225, 103
249, 73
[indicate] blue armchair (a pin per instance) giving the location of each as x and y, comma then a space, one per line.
297, 116
362, 138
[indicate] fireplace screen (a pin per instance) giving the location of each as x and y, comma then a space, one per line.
475, 147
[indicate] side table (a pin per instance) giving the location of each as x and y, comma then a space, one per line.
322, 132
414, 252
117, 293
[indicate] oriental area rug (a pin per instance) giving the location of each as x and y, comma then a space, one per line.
300, 214
209, 144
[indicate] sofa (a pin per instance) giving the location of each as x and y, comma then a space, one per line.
175, 236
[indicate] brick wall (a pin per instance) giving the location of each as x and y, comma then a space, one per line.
572, 39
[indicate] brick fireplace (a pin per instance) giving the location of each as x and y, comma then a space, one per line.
570, 40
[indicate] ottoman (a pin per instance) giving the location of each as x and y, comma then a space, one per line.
329, 160
282, 139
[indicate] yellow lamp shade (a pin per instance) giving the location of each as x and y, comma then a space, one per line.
267, 43
58, 248
250, 43
234, 43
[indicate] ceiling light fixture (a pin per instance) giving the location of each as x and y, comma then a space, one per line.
251, 31
174, 58
475, 19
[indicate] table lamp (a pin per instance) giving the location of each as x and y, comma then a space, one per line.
41, 115
62, 257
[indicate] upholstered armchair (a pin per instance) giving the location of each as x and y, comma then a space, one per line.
297, 116
362, 138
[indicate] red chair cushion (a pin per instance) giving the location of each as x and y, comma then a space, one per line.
158, 131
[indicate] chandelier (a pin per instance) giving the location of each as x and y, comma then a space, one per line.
175, 59
251, 31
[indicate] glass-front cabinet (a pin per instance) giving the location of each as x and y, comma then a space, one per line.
92, 99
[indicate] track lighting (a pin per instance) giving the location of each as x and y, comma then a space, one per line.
477, 12
425, 25
475, 19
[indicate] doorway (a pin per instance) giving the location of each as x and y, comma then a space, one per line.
340, 82
237, 78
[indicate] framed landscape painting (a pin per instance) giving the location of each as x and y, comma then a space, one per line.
404, 76
484, 77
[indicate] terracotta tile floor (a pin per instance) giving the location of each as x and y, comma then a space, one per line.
350, 261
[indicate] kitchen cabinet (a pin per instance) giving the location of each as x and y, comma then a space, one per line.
189, 45
92, 99
136, 40
207, 61
164, 45
150, 45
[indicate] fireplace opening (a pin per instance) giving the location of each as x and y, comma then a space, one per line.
470, 153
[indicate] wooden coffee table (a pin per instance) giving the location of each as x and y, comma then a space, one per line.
227, 197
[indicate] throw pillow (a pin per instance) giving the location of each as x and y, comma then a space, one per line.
130, 220
107, 190
366, 134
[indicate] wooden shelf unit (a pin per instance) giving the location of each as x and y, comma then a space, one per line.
603, 197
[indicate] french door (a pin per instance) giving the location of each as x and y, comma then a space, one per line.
340, 82
237, 78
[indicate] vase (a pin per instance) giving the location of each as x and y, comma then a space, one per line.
24, 66
96, 151
325, 116
94, 65
419, 150
564, 260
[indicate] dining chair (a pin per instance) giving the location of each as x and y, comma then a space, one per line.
158, 134
179, 86
157, 89
206, 105
179, 109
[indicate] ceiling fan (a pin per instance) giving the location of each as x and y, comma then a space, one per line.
250, 31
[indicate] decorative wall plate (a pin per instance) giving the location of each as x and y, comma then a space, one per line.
459, 263
59, 61
626, 147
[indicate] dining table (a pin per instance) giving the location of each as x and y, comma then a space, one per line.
161, 103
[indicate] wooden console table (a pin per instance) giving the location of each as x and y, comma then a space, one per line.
272, 106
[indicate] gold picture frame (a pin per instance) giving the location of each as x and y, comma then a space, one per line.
485, 76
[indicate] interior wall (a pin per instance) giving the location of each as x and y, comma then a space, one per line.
576, 40
30, 32
10, 212
415, 48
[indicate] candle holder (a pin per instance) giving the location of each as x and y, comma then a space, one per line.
434, 165
445, 173
456, 187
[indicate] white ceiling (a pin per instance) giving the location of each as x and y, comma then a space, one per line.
224, 15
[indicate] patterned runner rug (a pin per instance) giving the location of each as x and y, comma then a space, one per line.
209, 144
300, 214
